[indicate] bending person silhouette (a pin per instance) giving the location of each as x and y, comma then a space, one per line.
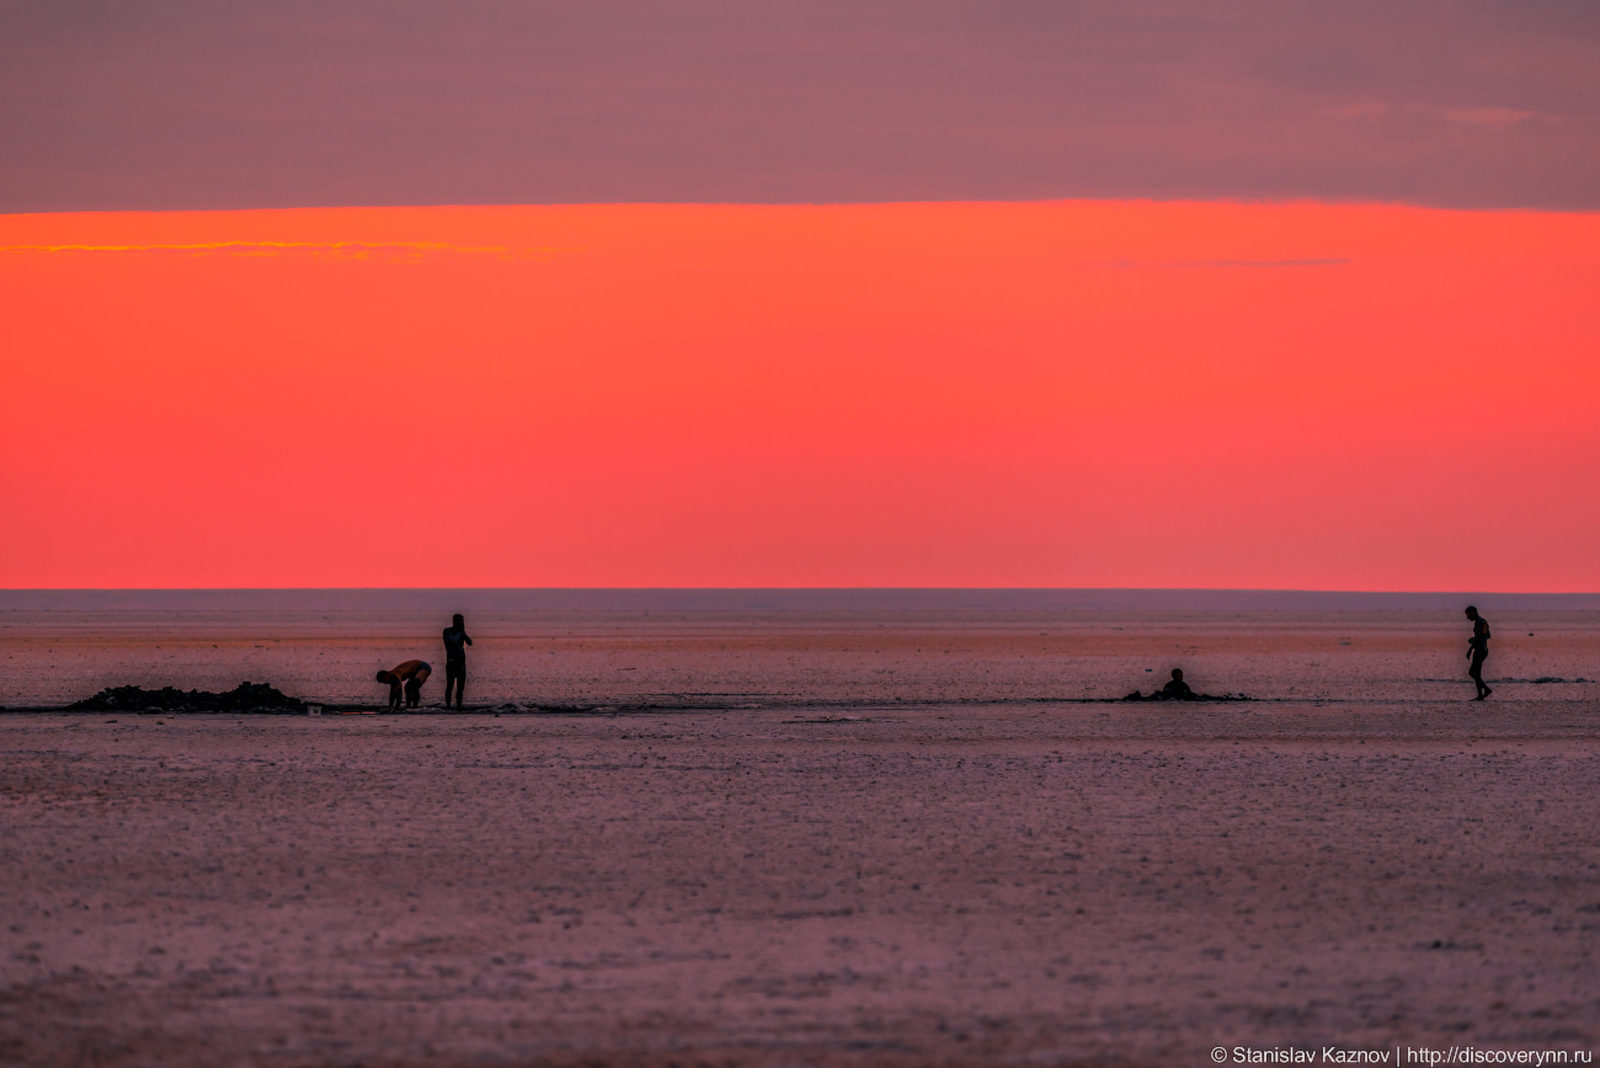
455, 660
409, 677
1478, 651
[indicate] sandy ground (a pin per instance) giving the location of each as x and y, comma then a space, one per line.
1024, 884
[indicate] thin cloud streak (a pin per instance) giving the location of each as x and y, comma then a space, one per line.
1320, 261
1495, 116
256, 248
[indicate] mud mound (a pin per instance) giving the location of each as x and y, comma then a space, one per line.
246, 697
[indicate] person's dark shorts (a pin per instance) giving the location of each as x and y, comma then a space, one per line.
1478, 657
455, 669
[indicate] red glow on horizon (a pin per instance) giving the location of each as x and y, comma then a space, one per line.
1050, 394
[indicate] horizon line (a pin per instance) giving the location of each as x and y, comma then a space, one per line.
797, 589
1237, 201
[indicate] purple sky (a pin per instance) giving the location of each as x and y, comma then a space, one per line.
159, 105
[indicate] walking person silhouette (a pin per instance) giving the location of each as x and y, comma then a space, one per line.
455, 660
1478, 651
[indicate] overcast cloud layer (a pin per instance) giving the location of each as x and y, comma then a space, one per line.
1471, 103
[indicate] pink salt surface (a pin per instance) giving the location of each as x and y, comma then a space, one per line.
1005, 885
550, 658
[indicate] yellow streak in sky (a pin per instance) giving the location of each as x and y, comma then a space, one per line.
248, 248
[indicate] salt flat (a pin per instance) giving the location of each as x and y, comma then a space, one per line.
876, 885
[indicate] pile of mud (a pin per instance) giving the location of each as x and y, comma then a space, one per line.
246, 697
1157, 695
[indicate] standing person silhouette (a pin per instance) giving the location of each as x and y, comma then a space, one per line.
1478, 650
455, 660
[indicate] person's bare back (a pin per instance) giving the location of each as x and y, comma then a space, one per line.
407, 678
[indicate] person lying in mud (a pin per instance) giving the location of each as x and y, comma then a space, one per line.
408, 676
1178, 690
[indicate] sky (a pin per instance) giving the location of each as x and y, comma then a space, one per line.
698, 294
106, 105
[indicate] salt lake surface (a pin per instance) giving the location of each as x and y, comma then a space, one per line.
777, 648
853, 829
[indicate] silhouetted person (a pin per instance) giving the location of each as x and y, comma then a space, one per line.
1478, 650
455, 660
1177, 689
409, 677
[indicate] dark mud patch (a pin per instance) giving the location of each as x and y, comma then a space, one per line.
246, 697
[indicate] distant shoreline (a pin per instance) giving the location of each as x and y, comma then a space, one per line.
848, 599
